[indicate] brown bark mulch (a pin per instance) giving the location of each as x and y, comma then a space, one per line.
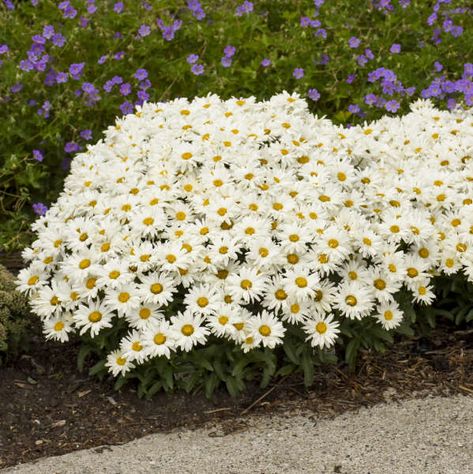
48, 408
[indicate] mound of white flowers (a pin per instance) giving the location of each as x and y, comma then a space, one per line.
238, 218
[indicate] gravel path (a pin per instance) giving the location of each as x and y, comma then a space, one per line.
430, 436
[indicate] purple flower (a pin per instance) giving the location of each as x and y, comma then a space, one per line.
298, 73
266, 62
71, 147
76, 70
361, 60
313, 94
192, 58
354, 42
118, 56
141, 74
83, 22
369, 54
350, 78
38, 155
322, 32
142, 95
197, 69
144, 30
118, 7
146, 84
229, 51
38, 39
451, 104
16, 87
371, 99
48, 31
196, 8
86, 134
58, 40
117, 80
89, 88
126, 107
9, 4
245, 7
168, 32
102, 59
226, 61
354, 108
39, 208
125, 89
438, 66
4, 49
395, 48
324, 59
392, 106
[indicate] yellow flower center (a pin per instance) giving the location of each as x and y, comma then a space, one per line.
294, 238
105, 247
95, 316
180, 216
321, 327
246, 284
54, 301
223, 250
301, 282
148, 221
136, 346
156, 288
341, 176
59, 326
388, 315
171, 258
264, 330
114, 274
333, 243
223, 319
90, 283
33, 280
351, 300
412, 272
280, 294
121, 361
145, 313
159, 339
423, 252
186, 156
202, 301
292, 258
123, 297
187, 329
85, 263
379, 284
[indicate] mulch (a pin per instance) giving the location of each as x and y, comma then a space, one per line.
49, 408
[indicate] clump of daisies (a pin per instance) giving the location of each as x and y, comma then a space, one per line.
239, 218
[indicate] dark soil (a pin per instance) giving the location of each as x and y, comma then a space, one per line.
48, 408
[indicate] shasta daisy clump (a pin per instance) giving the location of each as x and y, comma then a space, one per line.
240, 218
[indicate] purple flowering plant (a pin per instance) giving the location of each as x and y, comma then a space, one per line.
65, 76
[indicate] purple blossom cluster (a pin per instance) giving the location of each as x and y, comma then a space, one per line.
245, 8
169, 31
196, 9
228, 53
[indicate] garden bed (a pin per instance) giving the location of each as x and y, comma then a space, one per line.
48, 408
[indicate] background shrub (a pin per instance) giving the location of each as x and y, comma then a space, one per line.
68, 68
14, 315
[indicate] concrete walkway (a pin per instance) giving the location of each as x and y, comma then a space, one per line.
430, 436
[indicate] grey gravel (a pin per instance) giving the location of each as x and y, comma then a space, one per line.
420, 436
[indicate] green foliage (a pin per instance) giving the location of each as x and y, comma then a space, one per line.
15, 318
222, 365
